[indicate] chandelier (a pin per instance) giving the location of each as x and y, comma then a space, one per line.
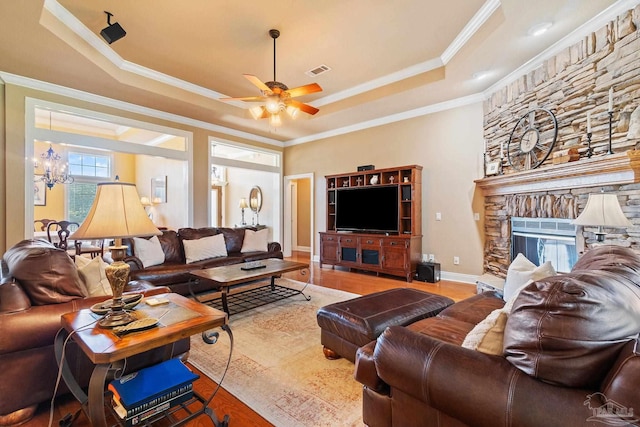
55, 170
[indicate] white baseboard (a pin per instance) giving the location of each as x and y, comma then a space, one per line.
458, 277
302, 248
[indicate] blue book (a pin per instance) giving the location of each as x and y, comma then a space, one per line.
148, 384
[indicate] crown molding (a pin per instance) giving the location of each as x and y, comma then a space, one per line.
132, 108
405, 115
470, 29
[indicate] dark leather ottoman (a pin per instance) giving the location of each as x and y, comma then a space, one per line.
347, 325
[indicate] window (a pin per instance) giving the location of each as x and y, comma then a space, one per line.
80, 198
89, 165
85, 168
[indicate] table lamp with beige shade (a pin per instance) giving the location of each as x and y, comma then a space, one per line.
602, 210
116, 213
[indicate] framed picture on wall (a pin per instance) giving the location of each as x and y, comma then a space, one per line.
159, 189
39, 191
493, 168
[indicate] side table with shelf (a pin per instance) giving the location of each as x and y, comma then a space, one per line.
180, 318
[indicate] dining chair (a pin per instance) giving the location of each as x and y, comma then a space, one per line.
92, 247
62, 230
41, 224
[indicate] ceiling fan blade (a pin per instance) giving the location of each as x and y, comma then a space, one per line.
257, 82
246, 98
303, 90
303, 107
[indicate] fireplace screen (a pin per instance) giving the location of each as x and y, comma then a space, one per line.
545, 239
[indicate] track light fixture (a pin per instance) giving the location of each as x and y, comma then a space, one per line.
113, 32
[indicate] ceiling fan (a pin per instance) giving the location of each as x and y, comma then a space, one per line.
277, 96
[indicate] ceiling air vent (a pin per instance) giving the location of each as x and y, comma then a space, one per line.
320, 69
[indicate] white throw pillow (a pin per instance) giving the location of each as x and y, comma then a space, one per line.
149, 251
91, 271
204, 248
255, 241
521, 271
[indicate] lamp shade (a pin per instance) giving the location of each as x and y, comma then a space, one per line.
116, 213
243, 203
603, 210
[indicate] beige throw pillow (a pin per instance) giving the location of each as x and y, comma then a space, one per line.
255, 241
149, 251
204, 248
488, 335
91, 271
521, 271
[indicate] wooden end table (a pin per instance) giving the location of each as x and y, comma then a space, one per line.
178, 319
233, 276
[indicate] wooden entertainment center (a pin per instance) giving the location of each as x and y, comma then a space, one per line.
395, 253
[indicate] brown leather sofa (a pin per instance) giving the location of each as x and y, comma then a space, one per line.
570, 356
30, 318
174, 272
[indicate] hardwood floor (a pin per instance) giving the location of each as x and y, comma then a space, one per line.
224, 403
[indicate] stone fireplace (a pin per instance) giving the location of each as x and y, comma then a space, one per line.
558, 192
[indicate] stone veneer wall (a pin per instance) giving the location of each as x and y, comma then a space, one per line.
570, 84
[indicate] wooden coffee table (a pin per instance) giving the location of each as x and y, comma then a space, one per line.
179, 318
229, 277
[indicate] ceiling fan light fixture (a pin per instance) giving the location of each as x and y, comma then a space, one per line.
256, 111
275, 120
273, 104
292, 111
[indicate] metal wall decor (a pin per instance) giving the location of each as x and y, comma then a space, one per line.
532, 139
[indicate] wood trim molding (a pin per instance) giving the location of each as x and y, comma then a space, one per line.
612, 169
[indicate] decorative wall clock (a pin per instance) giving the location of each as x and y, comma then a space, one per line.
532, 139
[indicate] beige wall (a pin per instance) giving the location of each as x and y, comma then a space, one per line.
12, 141
171, 214
447, 144
304, 213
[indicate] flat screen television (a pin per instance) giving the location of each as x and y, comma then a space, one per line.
368, 209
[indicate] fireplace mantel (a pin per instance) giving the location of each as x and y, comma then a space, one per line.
617, 168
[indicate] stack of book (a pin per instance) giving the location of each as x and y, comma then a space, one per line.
151, 391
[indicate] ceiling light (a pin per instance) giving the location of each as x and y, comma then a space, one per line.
480, 75
292, 111
273, 104
113, 32
275, 120
539, 29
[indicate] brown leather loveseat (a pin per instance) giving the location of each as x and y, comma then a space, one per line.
174, 271
38, 284
570, 356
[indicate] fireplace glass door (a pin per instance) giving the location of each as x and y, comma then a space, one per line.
545, 239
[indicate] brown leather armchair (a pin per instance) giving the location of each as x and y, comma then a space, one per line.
570, 358
28, 328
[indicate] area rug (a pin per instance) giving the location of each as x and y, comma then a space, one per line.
278, 368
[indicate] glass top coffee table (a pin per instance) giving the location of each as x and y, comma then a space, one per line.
231, 277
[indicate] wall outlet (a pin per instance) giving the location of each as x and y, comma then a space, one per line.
476, 216
456, 260
425, 257
432, 258
438, 216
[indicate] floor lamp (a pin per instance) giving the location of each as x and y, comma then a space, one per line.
602, 210
116, 213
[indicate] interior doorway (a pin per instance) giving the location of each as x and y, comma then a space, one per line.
298, 214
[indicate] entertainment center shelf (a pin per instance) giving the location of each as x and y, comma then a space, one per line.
374, 220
